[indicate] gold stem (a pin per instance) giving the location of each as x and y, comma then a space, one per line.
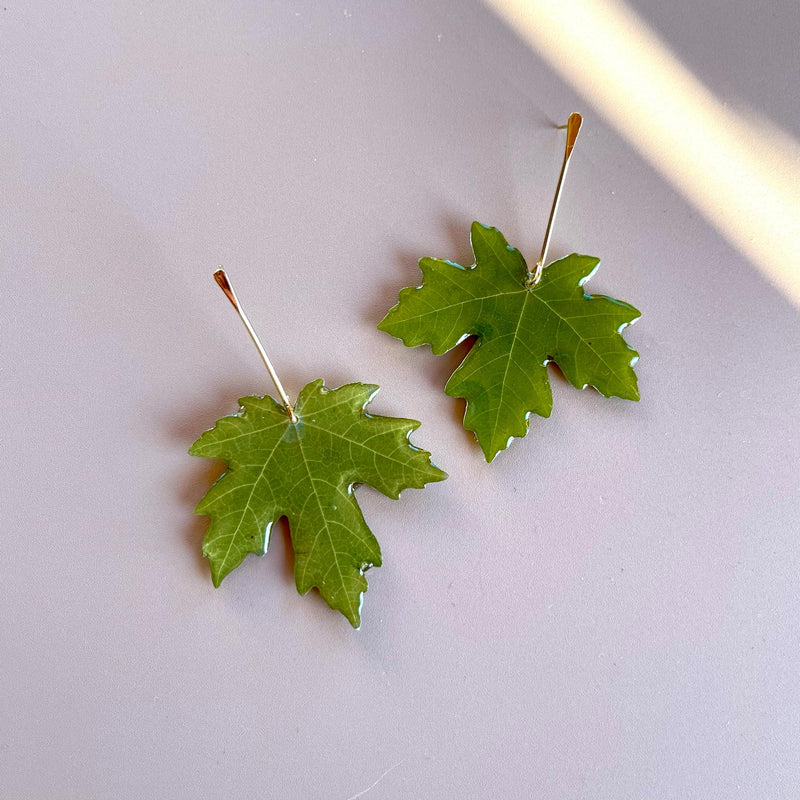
224, 283
573, 126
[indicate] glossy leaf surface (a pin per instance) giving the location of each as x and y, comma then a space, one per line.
305, 472
519, 331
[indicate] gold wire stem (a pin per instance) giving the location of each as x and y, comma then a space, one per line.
573, 126
224, 283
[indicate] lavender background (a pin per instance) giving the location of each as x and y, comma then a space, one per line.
610, 610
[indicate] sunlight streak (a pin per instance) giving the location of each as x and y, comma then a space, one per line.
741, 174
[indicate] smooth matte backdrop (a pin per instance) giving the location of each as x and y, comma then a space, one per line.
609, 610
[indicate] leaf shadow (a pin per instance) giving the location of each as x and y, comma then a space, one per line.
281, 535
554, 371
190, 490
457, 229
406, 265
202, 416
444, 366
200, 473
385, 294
437, 369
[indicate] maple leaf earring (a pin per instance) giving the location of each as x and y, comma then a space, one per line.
522, 320
301, 462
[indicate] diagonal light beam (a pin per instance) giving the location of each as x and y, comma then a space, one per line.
742, 177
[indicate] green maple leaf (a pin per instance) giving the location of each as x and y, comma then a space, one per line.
519, 330
305, 471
